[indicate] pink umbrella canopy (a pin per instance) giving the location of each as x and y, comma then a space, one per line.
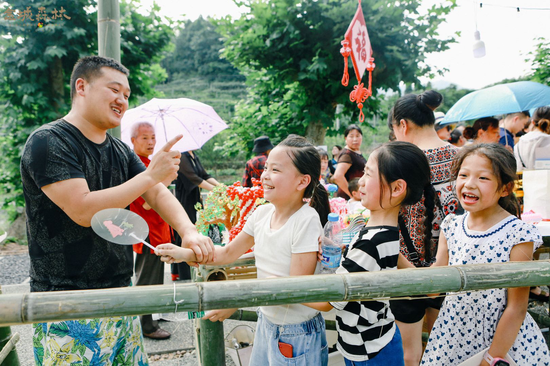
198, 122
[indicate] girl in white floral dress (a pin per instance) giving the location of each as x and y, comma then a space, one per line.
489, 232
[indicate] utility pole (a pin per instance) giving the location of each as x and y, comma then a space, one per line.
108, 26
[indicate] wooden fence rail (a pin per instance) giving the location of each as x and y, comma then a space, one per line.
65, 305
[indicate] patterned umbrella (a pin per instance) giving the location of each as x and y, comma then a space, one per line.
197, 122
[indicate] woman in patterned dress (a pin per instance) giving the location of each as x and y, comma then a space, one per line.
412, 120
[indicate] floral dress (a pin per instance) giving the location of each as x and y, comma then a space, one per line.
467, 321
414, 216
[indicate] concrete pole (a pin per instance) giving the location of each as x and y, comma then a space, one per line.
108, 31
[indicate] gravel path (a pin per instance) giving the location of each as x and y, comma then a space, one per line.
14, 269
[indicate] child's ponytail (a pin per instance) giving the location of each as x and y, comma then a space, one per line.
319, 201
307, 160
403, 160
510, 203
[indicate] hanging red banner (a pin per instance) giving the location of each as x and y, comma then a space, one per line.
356, 44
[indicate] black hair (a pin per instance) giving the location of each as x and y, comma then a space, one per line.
504, 168
471, 133
307, 160
89, 68
524, 113
351, 128
455, 136
541, 119
353, 185
403, 160
417, 109
322, 152
338, 146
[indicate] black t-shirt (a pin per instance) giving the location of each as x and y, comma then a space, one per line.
190, 175
65, 255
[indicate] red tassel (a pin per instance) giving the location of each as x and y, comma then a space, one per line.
346, 52
359, 95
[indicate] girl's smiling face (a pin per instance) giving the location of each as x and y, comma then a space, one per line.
477, 186
370, 188
280, 176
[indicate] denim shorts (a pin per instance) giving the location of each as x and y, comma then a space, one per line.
308, 340
391, 355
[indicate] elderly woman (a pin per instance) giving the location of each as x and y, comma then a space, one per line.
351, 162
538, 138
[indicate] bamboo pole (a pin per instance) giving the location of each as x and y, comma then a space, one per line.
108, 34
8, 355
210, 345
56, 306
8, 352
252, 316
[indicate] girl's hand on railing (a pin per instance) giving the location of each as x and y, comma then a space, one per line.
218, 315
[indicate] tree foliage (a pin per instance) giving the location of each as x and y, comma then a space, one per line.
197, 53
37, 64
541, 62
289, 50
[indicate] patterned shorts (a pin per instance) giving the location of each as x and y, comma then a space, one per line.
100, 341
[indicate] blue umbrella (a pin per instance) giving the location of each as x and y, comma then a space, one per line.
499, 99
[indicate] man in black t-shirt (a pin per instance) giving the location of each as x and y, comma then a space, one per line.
71, 169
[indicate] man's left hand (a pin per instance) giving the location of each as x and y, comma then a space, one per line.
201, 245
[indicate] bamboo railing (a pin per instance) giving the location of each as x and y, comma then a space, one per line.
199, 296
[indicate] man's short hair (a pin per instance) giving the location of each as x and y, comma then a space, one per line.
89, 68
134, 130
353, 185
519, 114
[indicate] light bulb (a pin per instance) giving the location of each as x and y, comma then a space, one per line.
479, 46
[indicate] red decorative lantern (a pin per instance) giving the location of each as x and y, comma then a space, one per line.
356, 44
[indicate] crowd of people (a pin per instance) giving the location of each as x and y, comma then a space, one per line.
435, 197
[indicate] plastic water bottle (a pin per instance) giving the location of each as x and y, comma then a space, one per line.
332, 245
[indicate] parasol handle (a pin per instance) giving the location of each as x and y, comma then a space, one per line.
143, 242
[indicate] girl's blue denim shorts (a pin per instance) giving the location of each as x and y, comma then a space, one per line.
308, 340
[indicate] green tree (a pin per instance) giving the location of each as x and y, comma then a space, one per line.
289, 51
37, 62
197, 54
540, 62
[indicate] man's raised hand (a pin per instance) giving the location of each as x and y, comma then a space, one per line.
165, 164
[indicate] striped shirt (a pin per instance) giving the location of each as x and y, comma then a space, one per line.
365, 327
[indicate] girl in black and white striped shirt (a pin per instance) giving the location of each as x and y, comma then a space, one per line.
396, 174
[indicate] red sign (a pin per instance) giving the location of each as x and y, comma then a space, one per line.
356, 44
359, 42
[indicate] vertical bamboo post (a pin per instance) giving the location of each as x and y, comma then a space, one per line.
5, 337
211, 345
108, 30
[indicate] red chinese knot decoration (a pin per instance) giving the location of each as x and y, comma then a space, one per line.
356, 44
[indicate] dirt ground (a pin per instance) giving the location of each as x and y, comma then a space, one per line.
13, 249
